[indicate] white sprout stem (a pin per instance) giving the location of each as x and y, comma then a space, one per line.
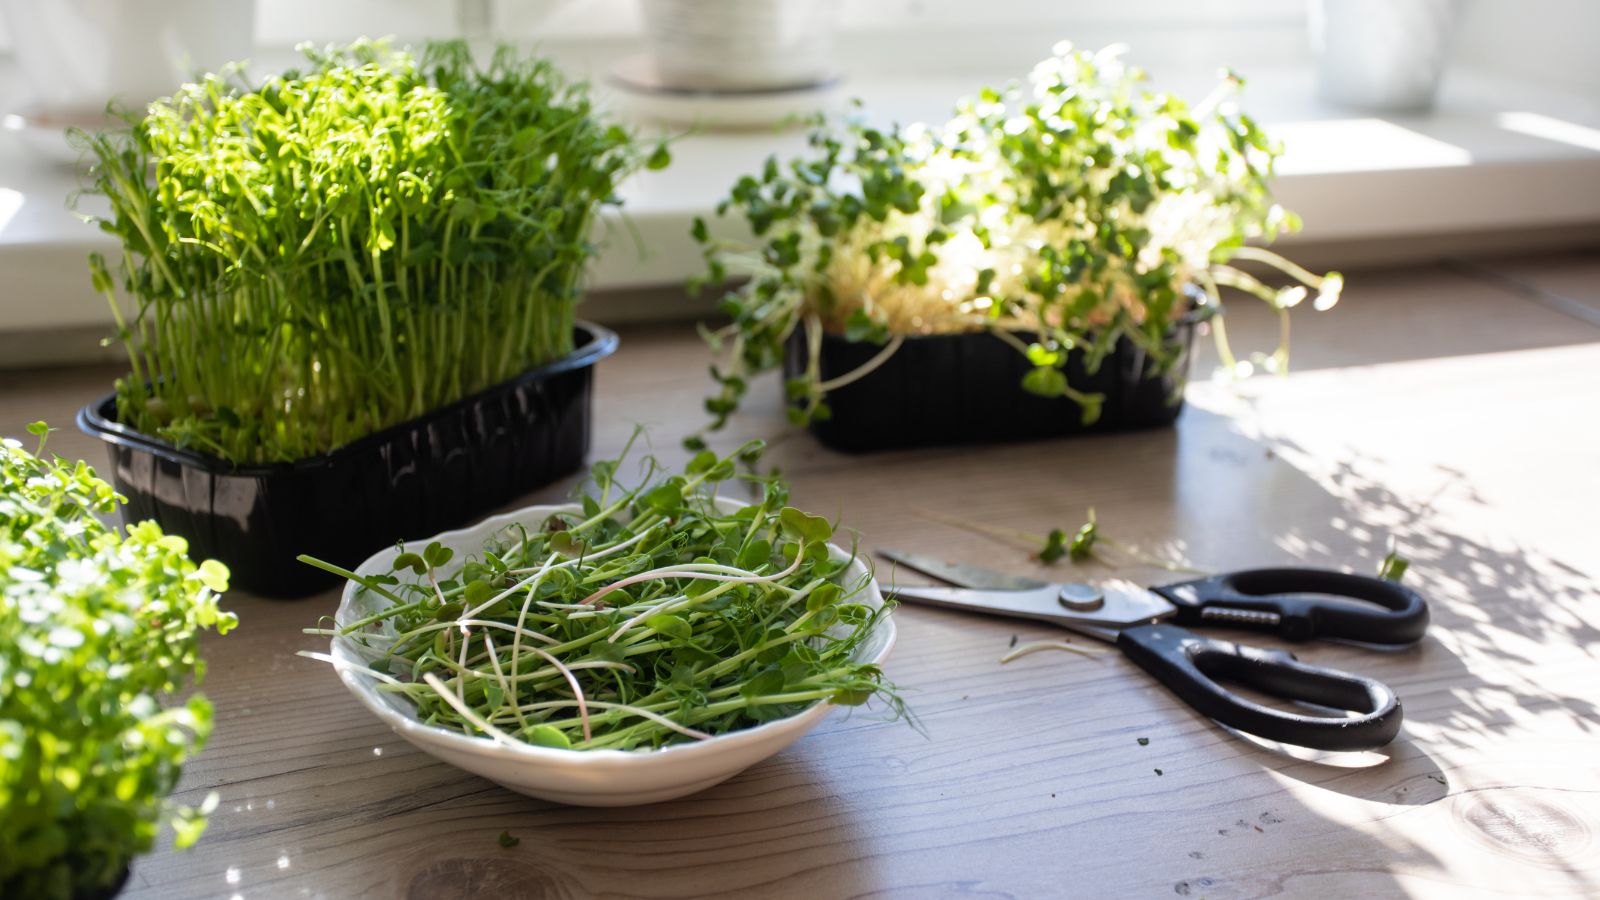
550, 564
594, 612
1277, 262
1219, 328
349, 666
467, 713
482, 623
510, 590
1227, 276
1036, 646
677, 571
466, 641
547, 671
522, 618
434, 580
1226, 88
577, 691
692, 567
866, 368
672, 604
473, 661
599, 554
1009, 338
506, 690
658, 609
630, 710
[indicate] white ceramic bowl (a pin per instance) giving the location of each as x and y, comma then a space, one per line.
581, 777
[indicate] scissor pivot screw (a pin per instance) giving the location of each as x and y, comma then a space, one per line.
1082, 597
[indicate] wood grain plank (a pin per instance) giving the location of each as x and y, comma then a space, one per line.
1457, 417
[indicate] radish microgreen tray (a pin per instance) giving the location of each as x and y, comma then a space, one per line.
1064, 217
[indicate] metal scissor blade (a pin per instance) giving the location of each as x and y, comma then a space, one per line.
1039, 604
1118, 606
961, 574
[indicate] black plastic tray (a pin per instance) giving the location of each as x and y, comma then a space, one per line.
967, 388
423, 476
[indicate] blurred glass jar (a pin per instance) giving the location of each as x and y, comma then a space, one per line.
76, 55
741, 45
1381, 55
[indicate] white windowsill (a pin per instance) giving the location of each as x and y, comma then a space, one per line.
1496, 155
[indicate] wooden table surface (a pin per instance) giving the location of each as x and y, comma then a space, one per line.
1454, 413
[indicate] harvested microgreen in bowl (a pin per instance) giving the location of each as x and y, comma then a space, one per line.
653, 617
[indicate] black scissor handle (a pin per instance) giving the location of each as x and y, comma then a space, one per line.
1189, 664
1274, 600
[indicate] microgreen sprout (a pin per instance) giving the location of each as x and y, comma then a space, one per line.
1086, 541
1036, 646
99, 641
1393, 566
647, 615
1062, 217
339, 249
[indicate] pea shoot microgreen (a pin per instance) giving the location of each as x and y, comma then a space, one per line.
647, 615
341, 248
99, 632
1064, 215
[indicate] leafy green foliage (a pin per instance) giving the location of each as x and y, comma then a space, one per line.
1393, 566
340, 249
1062, 216
1082, 546
1055, 546
98, 629
507, 841
652, 616
1079, 549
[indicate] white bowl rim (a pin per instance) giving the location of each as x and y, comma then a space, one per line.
364, 686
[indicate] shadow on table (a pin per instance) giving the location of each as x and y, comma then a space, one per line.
862, 808
1500, 614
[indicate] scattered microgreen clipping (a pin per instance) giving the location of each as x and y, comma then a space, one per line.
1079, 549
1086, 542
648, 615
1393, 566
507, 841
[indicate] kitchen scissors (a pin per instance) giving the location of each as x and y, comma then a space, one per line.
1297, 603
